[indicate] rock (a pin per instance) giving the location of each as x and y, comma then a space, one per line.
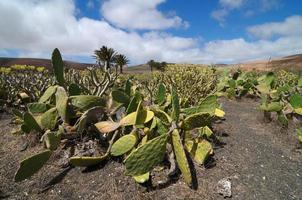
224, 187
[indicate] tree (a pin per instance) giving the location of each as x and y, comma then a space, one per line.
157, 65
105, 56
151, 64
121, 60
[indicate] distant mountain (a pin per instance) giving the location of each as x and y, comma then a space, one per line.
291, 62
6, 62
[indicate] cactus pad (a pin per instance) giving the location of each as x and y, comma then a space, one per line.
85, 102
48, 94
123, 144
197, 120
120, 97
31, 165
49, 119
181, 157
145, 157
86, 161
107, 126
58, 66
31, 122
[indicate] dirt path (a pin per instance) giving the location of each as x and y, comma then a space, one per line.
261, 161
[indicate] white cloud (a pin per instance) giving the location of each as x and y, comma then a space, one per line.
266, 5
226, 7
231, 4
35, 27
138, 14
220, 15
250, 8
290, 26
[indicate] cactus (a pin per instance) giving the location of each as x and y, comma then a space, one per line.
175, 105
31, 165
58, 67
49, 119
124, 144
181, 157
145, 157
37, 107
31, 122
52, 140
161, 94
197, 120
48, 94
85, 161
62, 104
85, 102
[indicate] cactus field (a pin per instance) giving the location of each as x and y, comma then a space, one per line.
97, 133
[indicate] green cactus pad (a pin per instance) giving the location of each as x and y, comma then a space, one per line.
181, 157
120, 97
197, 120
144, 117
31, 122
48, 94
37, 107
85, 102
145, 157
161, 128
87, 118
25, 128
134, 103
271, 107
209, 104
62, 104
162, 115
49, 119
74, 89
31, 165
128, 86
296, 101
202, 151
175, 105
142, 178
86, 161
58, 66
52, 140
17, 114
160, 97
205, 132
123, 144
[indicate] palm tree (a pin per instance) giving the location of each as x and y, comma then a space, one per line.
121, 60
151, 64
104, 56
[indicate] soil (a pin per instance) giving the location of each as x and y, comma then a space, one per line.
261, 160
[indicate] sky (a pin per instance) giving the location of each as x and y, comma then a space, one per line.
180, 31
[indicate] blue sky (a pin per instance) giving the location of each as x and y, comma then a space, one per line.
191, 31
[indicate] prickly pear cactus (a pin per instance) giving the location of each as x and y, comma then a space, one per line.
181, 157
86, 161
145, 157
58, 66
124, 144
31, 165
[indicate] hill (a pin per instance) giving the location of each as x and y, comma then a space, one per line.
6, 62
291, 62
